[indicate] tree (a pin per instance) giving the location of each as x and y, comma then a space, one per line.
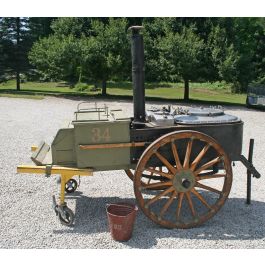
259, 59
245, 45
183, 51
98, 54
224, 57
157, 68
2, 54
188, 49
237, 46
74, 26
15, 37
40, 27
57, 58
112, 51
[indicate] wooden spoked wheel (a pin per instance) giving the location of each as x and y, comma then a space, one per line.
198, 177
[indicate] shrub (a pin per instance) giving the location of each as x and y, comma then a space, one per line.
81, 87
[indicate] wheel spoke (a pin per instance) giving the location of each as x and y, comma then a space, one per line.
210, 176
187, 156
168, 203
158, 184
201, 198
187, 194
160, 173
166, 163
158, 196
149, 180
129, 173
176, 156
208, 188
199, 157
179, 205
208, 164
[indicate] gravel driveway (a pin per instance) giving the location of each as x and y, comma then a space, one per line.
27, 218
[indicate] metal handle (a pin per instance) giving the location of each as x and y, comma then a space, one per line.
84, 102
250, 158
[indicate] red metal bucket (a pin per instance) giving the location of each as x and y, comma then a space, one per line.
121, 217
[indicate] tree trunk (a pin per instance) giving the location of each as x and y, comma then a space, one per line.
18, 80
18, 53
80, 74
186, 90
104, 88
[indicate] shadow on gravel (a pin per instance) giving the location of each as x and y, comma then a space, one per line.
235, 221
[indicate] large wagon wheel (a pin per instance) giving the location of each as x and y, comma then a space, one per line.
194, 192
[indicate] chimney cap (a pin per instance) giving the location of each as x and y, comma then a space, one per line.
135, 29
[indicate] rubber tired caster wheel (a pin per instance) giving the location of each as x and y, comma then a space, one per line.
71, 186
66, 216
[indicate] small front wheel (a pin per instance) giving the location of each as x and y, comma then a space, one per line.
71, 186
66, 216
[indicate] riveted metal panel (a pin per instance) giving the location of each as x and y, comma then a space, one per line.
102, 132
63, 149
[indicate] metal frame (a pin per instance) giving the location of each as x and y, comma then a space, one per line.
66, 174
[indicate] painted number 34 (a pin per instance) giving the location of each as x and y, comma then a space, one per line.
100, 135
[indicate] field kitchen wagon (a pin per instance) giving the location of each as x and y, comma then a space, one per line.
179, 160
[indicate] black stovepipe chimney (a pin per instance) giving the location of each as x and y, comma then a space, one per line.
137, 50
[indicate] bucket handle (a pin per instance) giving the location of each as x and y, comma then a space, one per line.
135, 208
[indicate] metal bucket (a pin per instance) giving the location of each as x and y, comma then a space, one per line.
121, 217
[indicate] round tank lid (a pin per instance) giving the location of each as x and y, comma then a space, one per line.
197, 119
206, 112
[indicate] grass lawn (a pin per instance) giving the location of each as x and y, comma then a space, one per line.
209, 92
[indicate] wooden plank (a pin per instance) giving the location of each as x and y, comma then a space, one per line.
108, 146
55, 170
39, 154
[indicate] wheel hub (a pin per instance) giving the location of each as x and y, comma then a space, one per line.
184, 180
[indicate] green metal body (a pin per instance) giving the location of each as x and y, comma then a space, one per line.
88, 140
63, 148
93, 127
106, 132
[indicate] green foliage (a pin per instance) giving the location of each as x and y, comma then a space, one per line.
40, 27
97, 50
57, 59
81, 86
224, 58
157, 67
112, 48
236, 50
17, 35
15, 42
72, 56
2, 59
183, 52
66, 26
